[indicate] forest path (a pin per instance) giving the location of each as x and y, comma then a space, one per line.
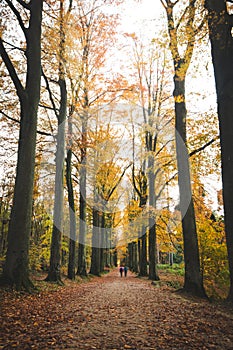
113, 313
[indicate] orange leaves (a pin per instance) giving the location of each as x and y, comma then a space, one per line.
131, 35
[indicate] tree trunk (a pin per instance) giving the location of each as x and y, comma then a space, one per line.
143, 265
139, 251
220, 33
54, 274
142, 194
153, 274
130, 256
72, 213
115, 257
135, 257
82, 201
16, 265
102, 239
193, 278
193, 282
95, 256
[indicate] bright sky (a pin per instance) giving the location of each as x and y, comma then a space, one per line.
145, 17
141, 15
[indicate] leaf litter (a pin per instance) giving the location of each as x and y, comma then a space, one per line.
113, 313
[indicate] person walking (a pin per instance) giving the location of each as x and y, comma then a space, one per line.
121, 270
125, 270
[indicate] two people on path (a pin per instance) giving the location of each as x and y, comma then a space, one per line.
123, 269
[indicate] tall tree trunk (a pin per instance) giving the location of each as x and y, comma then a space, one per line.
108, 234
82, 202
143, 265
54, 273
115, 257
130, 256
153, 274
102, 240
193, 279
72, 212
16, 265
139, 251
141, 190
193, 282
220, 33
135, 257
95, 255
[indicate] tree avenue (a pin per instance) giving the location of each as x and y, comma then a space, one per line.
115, 145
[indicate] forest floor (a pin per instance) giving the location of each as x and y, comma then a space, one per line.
111, 312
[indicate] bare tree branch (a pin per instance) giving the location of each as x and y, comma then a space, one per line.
18, 85
119, 180
203, 147
50, 93
24, 4
18, 122
17, 14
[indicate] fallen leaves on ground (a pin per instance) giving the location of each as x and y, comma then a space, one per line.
113, 313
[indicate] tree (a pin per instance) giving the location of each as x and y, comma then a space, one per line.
141, 189
16, 265
93, 36
108, 179
54, 273
220, 33
150, 66
102, 149
72, 210
193, 279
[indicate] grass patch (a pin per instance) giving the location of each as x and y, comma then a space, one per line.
176, 269
171, 276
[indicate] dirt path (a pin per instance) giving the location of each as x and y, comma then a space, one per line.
113, 313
